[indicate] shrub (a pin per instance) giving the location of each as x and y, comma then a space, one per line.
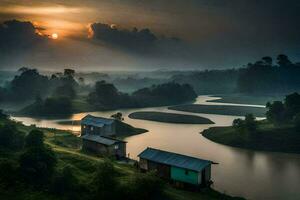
37, 165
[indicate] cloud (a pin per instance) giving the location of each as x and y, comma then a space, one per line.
16, 36
142, 41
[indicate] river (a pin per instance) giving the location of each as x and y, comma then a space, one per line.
240, 172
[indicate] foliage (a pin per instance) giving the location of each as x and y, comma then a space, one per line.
65, 183
37, 165
3, 115
118, 116
264, 77
49, 107
145, 186
10, 137
8, 172
34, 139
107, 96
249, 124
104, 183
297, 122
284, 112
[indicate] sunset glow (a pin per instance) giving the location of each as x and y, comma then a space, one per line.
54, 36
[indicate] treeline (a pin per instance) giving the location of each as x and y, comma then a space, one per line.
264, 76
210, 81
284, 113
30, 84
54, 95
31, 169
107, 96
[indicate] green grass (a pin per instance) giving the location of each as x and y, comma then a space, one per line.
170, 118
267, 138
68, 152
221, 109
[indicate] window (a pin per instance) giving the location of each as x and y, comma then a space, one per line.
116, 147
92, 128
186, 172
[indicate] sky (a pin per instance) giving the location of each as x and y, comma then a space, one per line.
146, 34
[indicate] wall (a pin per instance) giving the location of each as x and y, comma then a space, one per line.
180, 174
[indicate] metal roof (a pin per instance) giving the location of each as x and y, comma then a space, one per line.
96, 121
100, 139
174, 159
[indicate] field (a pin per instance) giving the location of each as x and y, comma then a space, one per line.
221, 109
170, 118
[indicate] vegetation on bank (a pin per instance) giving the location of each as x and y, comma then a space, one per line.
48, 164
221, 109
63, 94
279, 132
170, 118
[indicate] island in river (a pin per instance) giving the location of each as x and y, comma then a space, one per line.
221, 109
170, 117
268, 137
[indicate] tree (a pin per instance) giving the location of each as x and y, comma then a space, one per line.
3, 115
118, 116
268, 60
250, 123
8, 172
11, 137
35, 139
104, 181
65, 182
283, 60
276, 112
69, 72
37, 165
292, 105
297, 122
238, 124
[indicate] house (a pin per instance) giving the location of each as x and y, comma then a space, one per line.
104, 145
176, 167
97, 136
98, 126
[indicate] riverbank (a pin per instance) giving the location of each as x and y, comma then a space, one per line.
247, 99
267, 138
170, 118
221, 109
122, 129
67, 148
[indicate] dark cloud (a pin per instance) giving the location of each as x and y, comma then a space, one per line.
142, 41
16, 36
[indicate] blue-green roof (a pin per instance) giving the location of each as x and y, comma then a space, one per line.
174, 159
96, 121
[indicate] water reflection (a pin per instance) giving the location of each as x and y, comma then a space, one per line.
252, 174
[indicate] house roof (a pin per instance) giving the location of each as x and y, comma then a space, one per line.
101, 139
174, 159
96, 121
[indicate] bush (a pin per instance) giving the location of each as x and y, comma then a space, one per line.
145, 186
10, 137
104, 183
35, 139
37, 165
8, 172
65, 183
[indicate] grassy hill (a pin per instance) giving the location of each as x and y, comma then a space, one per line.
67, 149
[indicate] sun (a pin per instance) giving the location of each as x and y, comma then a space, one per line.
54, 36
